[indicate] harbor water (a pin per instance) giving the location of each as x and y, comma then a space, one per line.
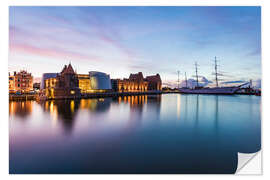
169, 133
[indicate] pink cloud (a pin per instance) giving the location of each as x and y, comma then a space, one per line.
48, 52
108, 35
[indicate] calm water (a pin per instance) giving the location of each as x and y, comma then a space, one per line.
171, 133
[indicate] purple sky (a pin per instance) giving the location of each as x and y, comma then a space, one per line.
124, 40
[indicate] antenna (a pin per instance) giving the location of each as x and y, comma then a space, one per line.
178, 72
196, 70
216, 71
186, 78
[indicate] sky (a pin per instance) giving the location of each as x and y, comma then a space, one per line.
151, 40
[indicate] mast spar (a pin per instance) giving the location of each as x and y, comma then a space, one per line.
178, 81
216, 73
186, 78
196, 70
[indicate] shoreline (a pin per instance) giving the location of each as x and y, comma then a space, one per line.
25, 97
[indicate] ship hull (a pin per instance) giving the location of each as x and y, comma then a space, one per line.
222, 90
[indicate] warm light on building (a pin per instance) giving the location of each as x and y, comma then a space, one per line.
84, 83
20, 82
135, 83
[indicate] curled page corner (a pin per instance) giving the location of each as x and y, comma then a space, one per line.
249, 163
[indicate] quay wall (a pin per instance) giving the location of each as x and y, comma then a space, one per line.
24, 97
107, 94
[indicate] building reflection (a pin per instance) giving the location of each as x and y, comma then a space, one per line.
136, 109
63, 111
137, 105
96, 105
20, 108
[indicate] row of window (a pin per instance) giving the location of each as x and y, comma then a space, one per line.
19, 85
27, 80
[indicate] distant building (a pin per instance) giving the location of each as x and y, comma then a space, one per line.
135, 83
69, 83
36, 86
99, 81
84, 83
20, 82
65, 84
154, 82
46, 76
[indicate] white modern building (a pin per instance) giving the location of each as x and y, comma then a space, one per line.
100, 80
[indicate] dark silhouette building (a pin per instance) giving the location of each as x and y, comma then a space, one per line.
65, 84
154, 82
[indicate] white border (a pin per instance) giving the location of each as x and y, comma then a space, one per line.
4, 81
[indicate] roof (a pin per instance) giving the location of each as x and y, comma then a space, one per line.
154, 78
97, 73
68, 69
136, 77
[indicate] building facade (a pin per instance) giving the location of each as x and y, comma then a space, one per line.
69, 83
64, 85
20, 82
99, 81
154, 82
46, 76
84, 83
135, 83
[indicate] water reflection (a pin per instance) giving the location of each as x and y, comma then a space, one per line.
216, 116
135, 134
63, 110
20, 108
96, 105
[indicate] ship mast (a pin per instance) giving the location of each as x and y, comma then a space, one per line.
216, 73
186, 78
178, 81
196, 70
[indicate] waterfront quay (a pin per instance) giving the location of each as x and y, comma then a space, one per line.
117, 94
68, 84
24, 97
104, 95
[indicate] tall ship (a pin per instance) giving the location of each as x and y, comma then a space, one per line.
207, 90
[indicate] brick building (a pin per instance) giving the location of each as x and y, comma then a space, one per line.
135, 83
154, 82
20, 82
65, 84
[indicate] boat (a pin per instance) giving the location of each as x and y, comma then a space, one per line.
215, 90
207, 90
